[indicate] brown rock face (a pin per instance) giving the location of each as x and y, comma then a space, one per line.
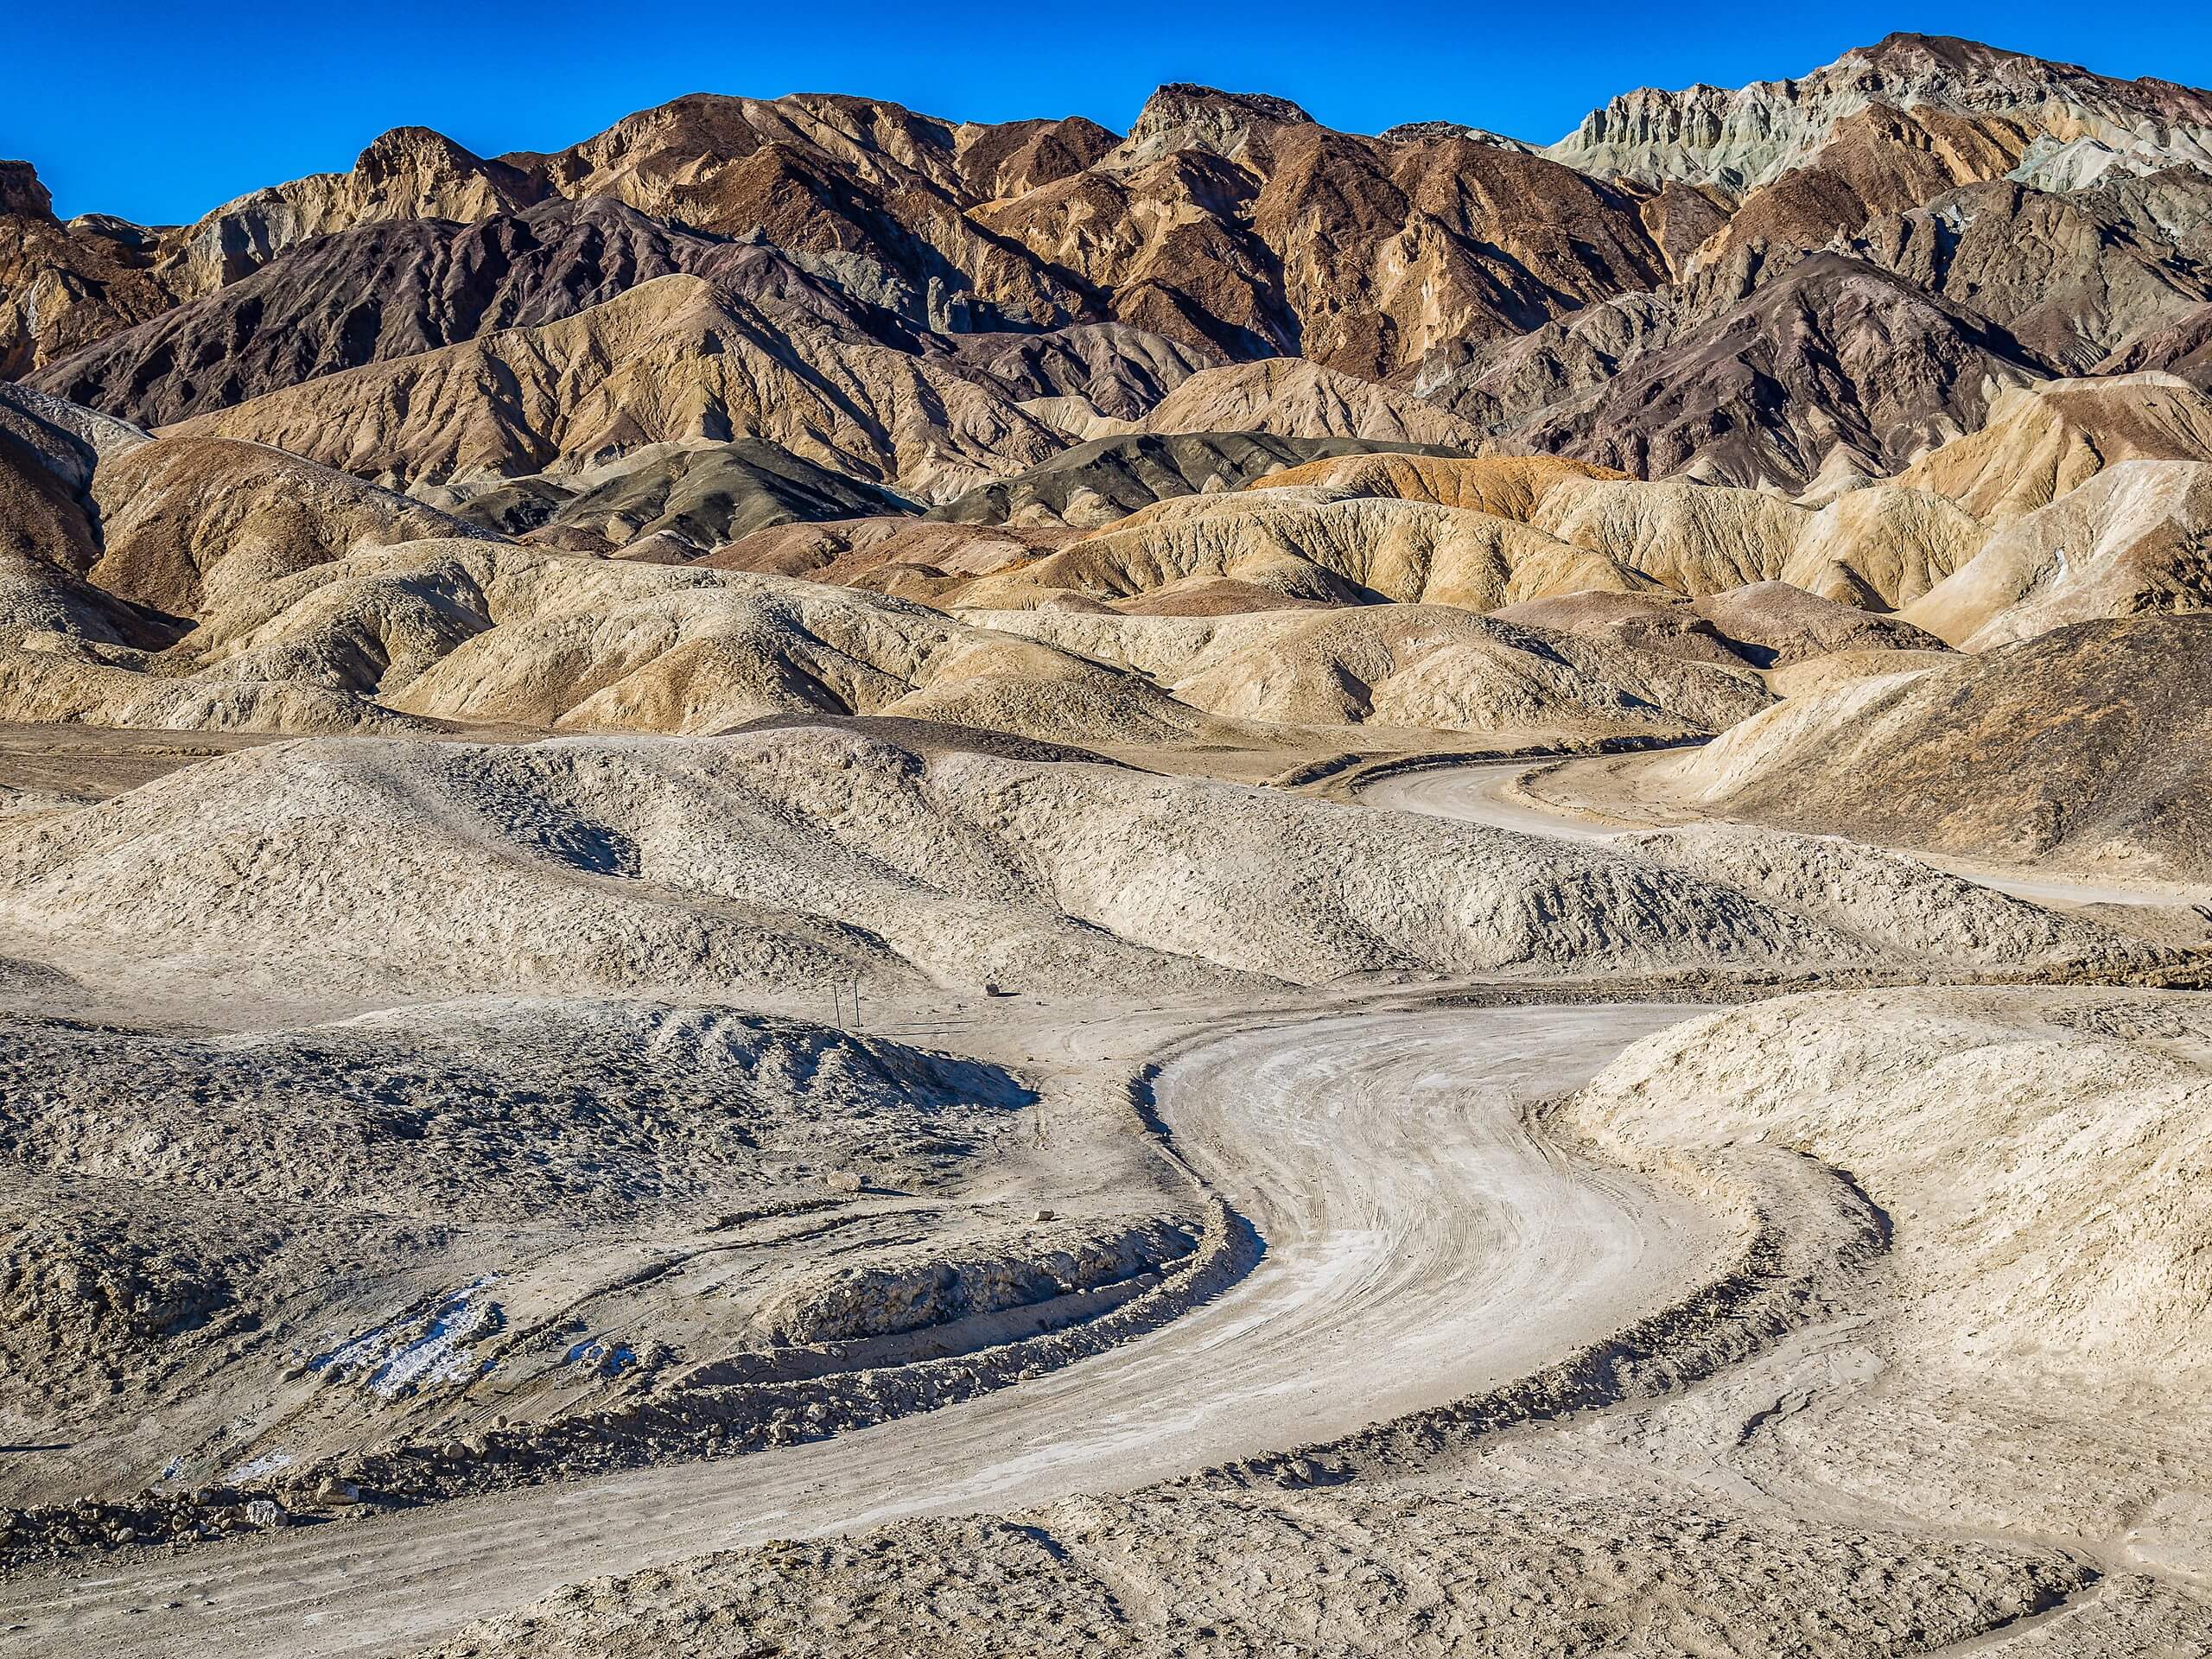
724, 311
1170, 242
676, 360
1225, 211
2070, 276
867, 192
1232, 222
1116, 370
62, 286
391, 289
1832, 361
408, 173
40, 519
1016, 157
2182, 347
1881, 160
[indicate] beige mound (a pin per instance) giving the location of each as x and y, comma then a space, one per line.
1310, 544
1697, 538
1296, 397
1420, 667
54, 679
38, 600
334, 867
581, 646
2136, 537
479, 632
187, 523
1894, 904
912, 558
1880, 545
2037, 1150
1436, 1568
1508, 486
1816, 675
2041, 441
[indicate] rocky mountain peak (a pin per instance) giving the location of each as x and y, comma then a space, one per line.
1181, 97
1423, 132
22, 194
1183, 117
1742, 139
415, 152
1903, 52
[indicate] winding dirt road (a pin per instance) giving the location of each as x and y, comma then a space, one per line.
1421, 1245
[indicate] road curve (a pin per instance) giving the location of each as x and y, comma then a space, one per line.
1476, 793
1420, 1246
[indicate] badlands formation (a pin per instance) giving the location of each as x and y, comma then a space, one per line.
821, 881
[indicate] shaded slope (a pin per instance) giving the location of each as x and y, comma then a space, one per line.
1832, 362
1766, 624
2182, 347
390, 288
2089, 743
704, 496
1096, 483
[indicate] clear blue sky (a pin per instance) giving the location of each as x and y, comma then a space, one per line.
159, 112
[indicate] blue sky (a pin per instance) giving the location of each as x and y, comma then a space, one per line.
159, 112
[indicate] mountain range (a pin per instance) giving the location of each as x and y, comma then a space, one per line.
1906, 355
1692, 281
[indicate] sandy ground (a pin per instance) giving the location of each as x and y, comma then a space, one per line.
1461, 1333
92, 762
1980, 1433
1420, 1243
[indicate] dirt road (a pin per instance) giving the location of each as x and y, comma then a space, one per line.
1420, 1244
1477, 794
